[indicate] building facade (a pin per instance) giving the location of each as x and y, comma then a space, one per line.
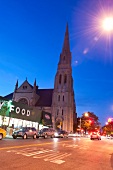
59, 101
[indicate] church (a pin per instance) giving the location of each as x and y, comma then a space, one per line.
59, 101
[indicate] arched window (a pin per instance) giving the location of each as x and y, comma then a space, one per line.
62, 112
64, 58
23, 101
60, 78
65, 79
63, 98
58, 97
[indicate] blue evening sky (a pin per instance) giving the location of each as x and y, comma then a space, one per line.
31, 40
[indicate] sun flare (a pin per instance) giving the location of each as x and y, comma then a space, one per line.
108, 24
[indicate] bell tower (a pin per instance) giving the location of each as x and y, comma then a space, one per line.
63, 103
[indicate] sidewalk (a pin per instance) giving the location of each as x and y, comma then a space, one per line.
9, 137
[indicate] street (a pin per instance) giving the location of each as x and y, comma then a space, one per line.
57, 153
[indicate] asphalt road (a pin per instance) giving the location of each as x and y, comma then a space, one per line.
56, 154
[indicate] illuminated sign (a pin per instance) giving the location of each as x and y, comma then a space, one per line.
18, 110
47, 116
15, 109
1, 104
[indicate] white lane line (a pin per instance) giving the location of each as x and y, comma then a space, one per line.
84, 148
24, 152
57, 161
38, 152
71, 146
11, 151
51, 157
57, 157
46, 155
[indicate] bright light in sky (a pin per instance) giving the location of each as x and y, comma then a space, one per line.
108, 24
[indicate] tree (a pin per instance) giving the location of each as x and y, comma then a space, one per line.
43, 122
108, 129
90, 122
3, 111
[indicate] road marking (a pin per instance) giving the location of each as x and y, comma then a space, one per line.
70, 146
38, 152
45, 154
60, 156
75, 146
58, 161
83, 148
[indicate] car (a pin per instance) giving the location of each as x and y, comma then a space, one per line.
46, 132
25, 132
2, 133
110, 136
95, 135
61, 134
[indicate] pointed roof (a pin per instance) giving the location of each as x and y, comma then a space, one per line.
66, 45
17, 83
35, 82
16, 86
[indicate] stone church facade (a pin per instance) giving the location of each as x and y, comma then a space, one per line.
59, 101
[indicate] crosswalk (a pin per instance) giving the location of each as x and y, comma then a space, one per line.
50, 155
53, 156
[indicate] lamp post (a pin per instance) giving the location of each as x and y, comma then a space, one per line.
86, 115
80, 123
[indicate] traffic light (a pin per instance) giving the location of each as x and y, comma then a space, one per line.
109, 120
90, 121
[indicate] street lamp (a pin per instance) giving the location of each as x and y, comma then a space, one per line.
106, 123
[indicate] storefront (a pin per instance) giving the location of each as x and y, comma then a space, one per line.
16, 115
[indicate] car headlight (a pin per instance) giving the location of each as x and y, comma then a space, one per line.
56, 134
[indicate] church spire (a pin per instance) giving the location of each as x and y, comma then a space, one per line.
65, 56
34, 87
66, 45
16, 86
35, 82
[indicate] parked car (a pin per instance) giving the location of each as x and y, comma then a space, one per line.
46, 132
2, 133
95, 135
61, 134
25, 132
110, 136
